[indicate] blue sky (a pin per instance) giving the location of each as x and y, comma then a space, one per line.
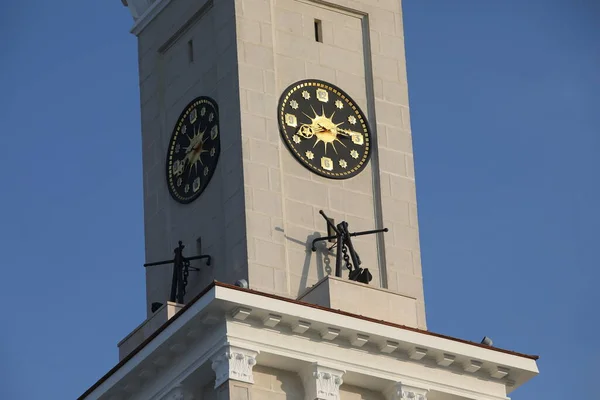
504, 99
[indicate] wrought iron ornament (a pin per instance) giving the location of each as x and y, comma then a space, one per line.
345, 250
194, 150
181, 271
324, 129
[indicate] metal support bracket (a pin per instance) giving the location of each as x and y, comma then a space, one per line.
344, 245
181, 270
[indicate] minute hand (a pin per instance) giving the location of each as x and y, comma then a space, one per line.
347, 132
357, 137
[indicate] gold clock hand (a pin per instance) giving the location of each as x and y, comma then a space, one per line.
357, 137
335, 130
347, 132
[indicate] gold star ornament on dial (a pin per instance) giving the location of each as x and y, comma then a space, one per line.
193, 150
324, 129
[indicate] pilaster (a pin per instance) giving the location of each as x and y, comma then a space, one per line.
322, 383
233, 363
400, 391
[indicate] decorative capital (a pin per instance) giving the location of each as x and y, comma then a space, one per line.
235, 363
400, 391
322, 383
178, 393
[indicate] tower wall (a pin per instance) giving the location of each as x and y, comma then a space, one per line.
362, 51
260, 210
169, 80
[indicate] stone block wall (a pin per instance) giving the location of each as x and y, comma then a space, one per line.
260, 211
362, 51
169, 80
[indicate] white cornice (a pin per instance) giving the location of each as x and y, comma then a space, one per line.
289, 330
333, 322
381, 368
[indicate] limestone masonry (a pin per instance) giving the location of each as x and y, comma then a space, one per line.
266, 317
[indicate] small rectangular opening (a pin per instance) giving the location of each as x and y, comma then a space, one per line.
191, 50
318, 31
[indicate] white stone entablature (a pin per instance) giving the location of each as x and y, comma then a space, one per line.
393, 360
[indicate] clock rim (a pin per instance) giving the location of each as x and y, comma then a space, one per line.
213, 102
289, 145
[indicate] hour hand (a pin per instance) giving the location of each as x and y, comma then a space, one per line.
357, 137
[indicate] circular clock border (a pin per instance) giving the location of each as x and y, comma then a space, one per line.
186, 110
280, 121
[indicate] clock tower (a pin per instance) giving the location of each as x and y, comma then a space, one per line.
282, 244
312, 115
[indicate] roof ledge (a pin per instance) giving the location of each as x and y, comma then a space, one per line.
377, 337
228, 313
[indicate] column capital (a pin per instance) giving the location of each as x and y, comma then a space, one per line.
400, 391
321, 382
235, 363
178, 393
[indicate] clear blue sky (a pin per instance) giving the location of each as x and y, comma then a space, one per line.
505, 100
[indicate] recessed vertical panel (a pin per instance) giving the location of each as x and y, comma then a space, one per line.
330, 49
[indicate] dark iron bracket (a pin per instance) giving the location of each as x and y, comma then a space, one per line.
181, 270
344, 246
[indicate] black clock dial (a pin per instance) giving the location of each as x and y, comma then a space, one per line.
193, 150
324, 129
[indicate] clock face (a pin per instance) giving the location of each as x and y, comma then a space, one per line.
324, 129
193, 150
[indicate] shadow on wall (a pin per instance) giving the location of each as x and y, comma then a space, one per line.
323, 262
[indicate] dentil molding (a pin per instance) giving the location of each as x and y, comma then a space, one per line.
234, 363
322, 383
399, 391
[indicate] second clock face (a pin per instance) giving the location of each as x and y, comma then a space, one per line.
193, 150
324, 129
